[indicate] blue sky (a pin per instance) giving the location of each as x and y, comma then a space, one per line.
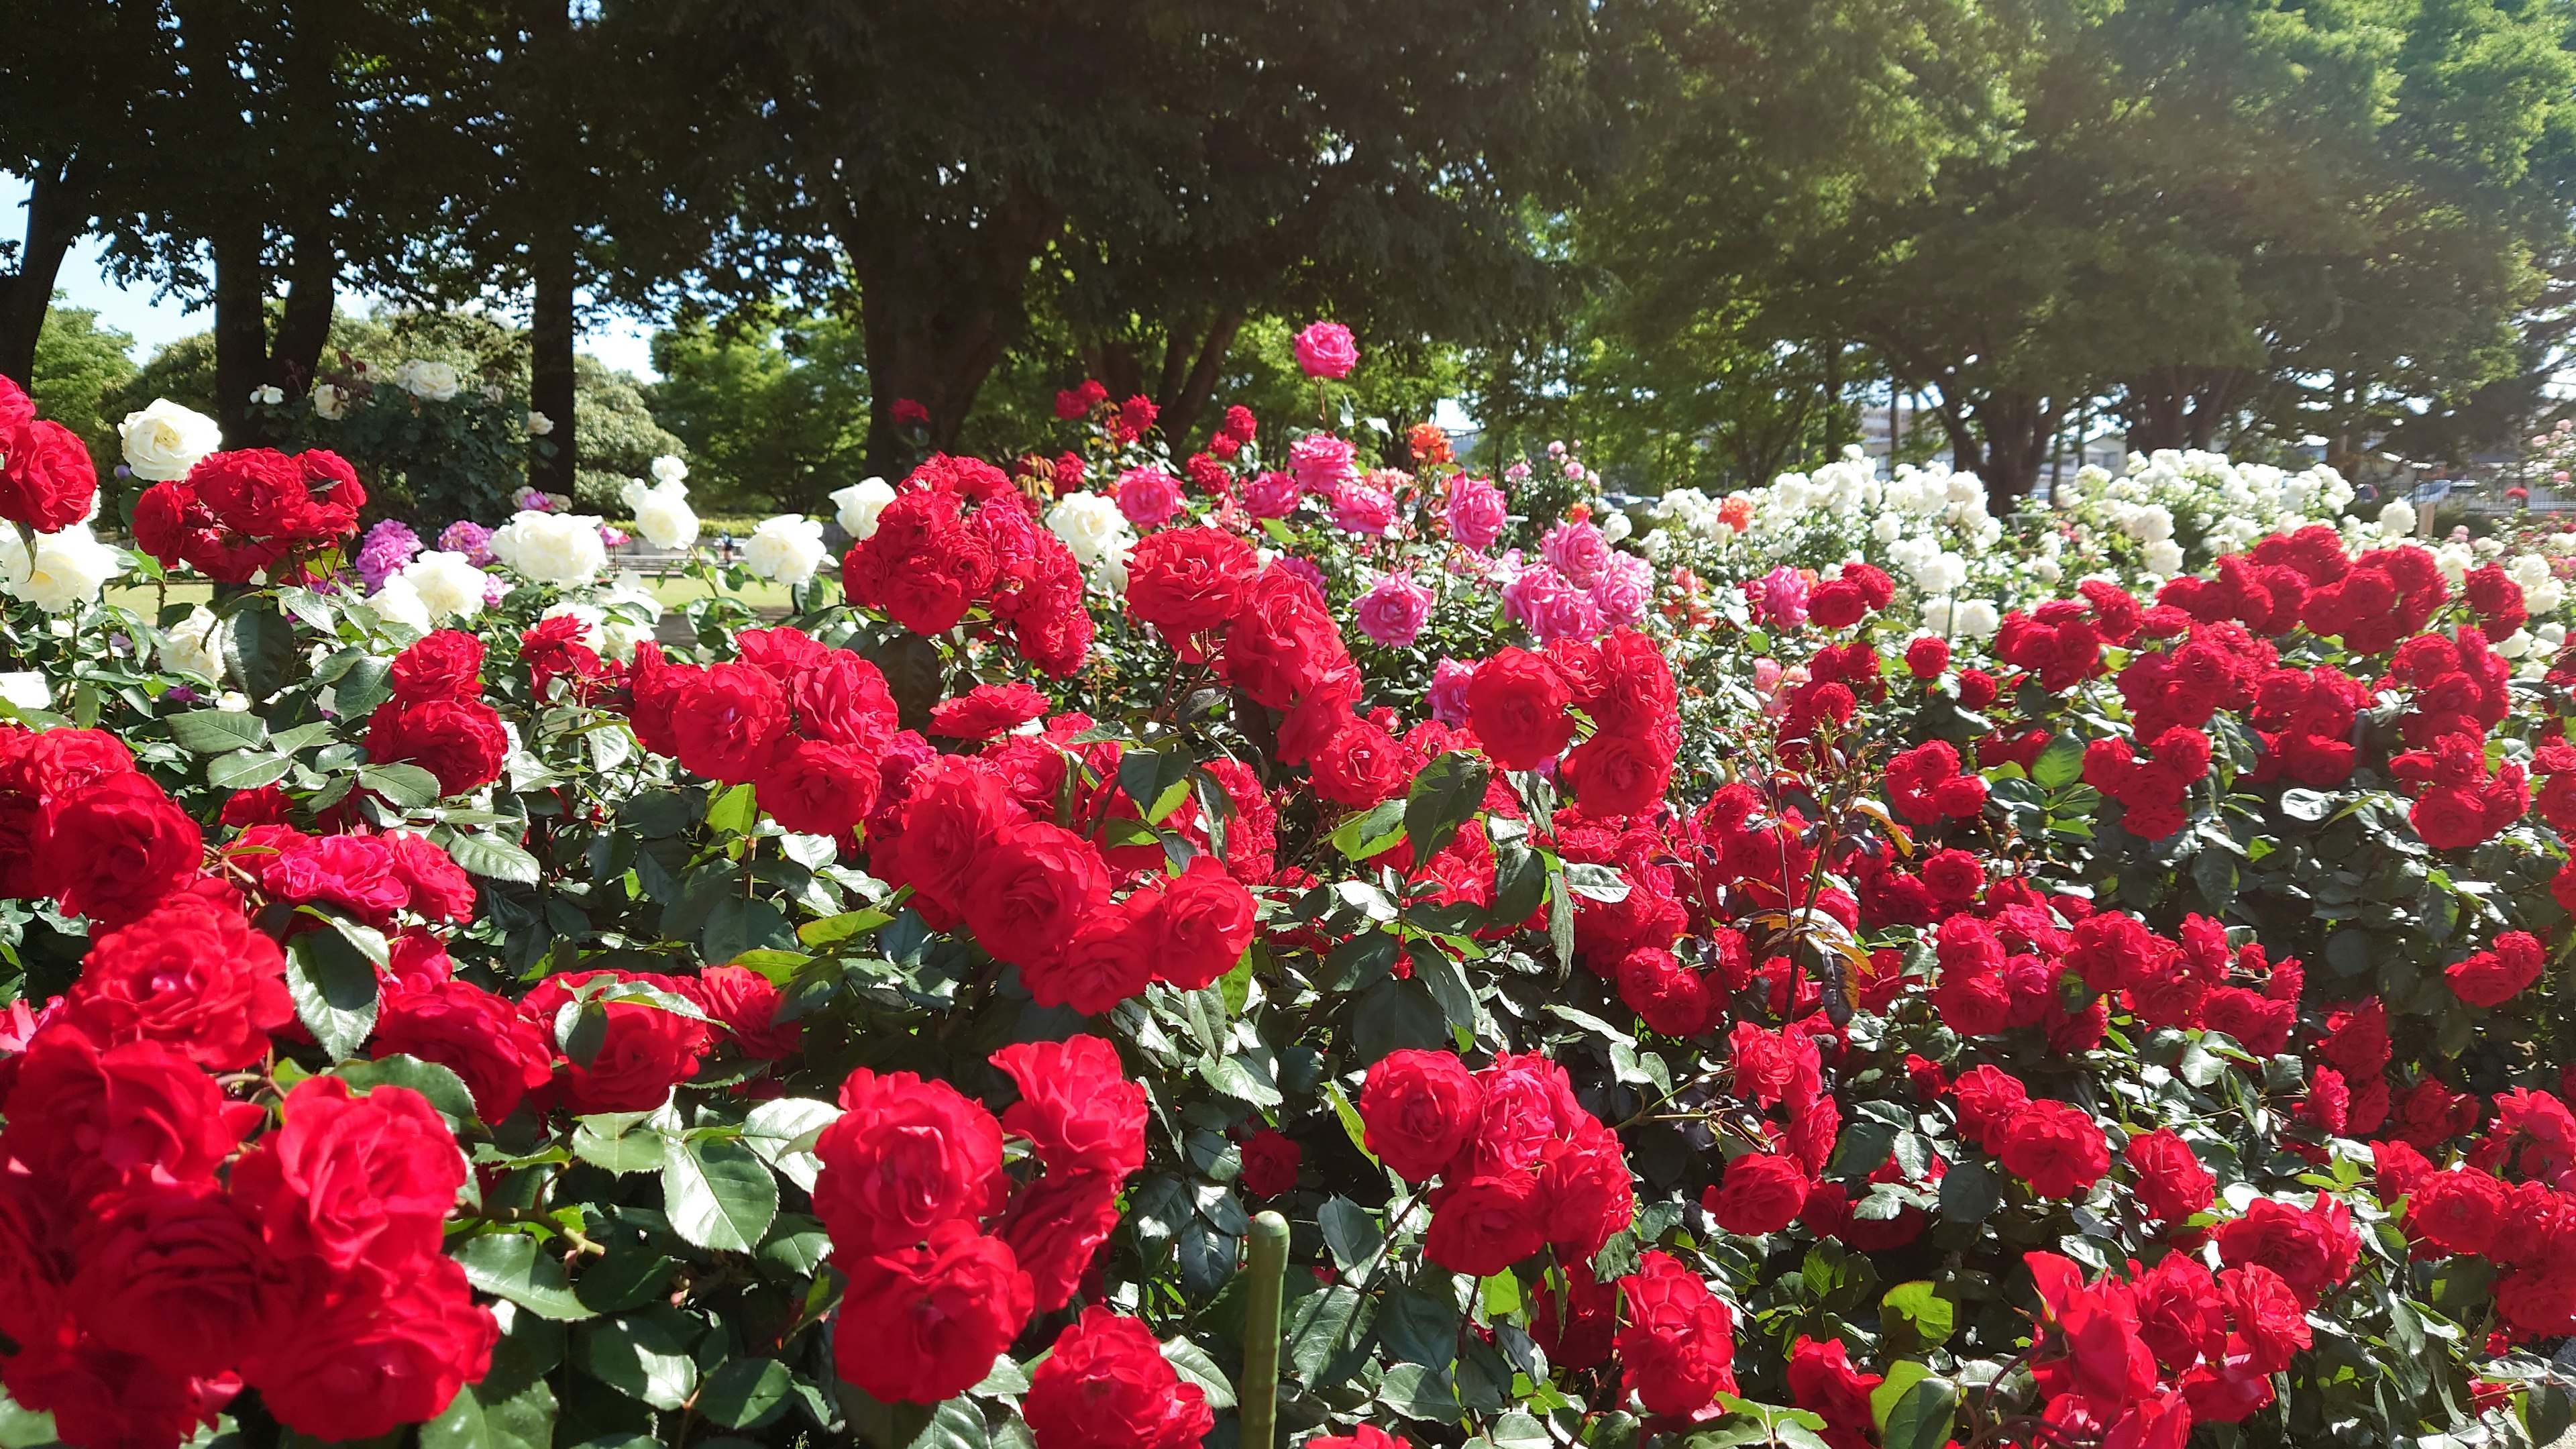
152, 321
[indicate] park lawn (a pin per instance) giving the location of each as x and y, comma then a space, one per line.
674, 591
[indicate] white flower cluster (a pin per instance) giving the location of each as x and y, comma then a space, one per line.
661, 508
1096, 534
2171, 510
428, 381
69, 567
551, 548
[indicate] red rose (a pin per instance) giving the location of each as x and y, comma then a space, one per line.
190, 975
98, 1395
2179, 1314
843, 698
1055, 1228
447, 664
1108, 1386
2312, 1248
1418, 1109
904, 1157
1678, 1351
1282, 642
815, 788
458, 740
500, 1054
1579, 1336
644, 1051
2097, 1352
83, 1119
2054, 1147
1622, 774
918, 1325
1188, 581
350, 1180
1077, 1109
2448, 817
748, 1006
1584, 1195
1927, 656
1761, 1193
258, 492
178, 1276
439, 890
1673, 998
1516, 703
112, 849
1527, 1103
2460, 1211
374, 1361
1821, 1378
1032, 885
1202, 924
727, 720
954, 811
1360, 764
352, 872
987, 710
2270, 1318
2171, 1184
1111, 957
2492, 978
48, 482
1484, 1225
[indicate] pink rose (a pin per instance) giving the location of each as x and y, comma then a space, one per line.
1578, 551
1476, 512
1362, 509
1321, 461
1394, 610
1541, 601
1447, 698
1784, 597
1326, 349
1148, 496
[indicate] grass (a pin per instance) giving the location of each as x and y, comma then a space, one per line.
674, 592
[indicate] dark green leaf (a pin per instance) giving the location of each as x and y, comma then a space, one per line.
491, 857
1158, 781
247, 771
406, 787
643, 1355
495, 1414
1447, 794
259, 649
2060, 764
509, 1265
746, 1393
1923, 1417
1969, 1194
334, 989
445, 1090
1596, 882
718, 1194
214, 731
367, 683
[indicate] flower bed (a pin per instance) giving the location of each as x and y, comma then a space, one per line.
1806, 974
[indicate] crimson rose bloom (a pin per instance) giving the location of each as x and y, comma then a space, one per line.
2054, 1147
1202, 923
644, 1052
1077, 1109
1187, 581
177, 1276
98, 1395
1031, 887
445, 664
1270, 1159
815, 788
83, 1119
1110, 958
374, 1361
1821, 1378
748, 1005
1988, 1098
1282, 642
1678, 1350
1417, 1109
2492, 978
904, 1157
500, 1054
987, 710
1055, 1228
2460, 1211
191, 975
843, 698
919, 1325
1761, 1193
2270, 1317
1516, 703
350, 1180
955, 810
1108, 1386
49, 482
112, 849
458, 740
1621, 773
2171, 1183
1486, 1224
727, 720
2312, 1248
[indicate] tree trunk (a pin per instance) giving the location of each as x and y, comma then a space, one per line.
2015, 429
552, 329
2182, 407
1191, 363
304, 326
241, 324
938, 304
55, 217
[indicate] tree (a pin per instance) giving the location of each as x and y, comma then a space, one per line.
771, 420
77, 364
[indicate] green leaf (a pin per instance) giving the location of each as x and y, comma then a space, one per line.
215, 731
746, 1393
259, 649
1447, 979
718, 1194
1596, 882
1902, 1374
644, 1355
1363, 836
1921, 1305
247, 771
1158, 781
1447, 794
491, 857
1560, 920
622, 1151
841, 927
367, 683
1969, 1194
509, 1265
1350, 1233
494, 1415
2060, 764
1325, 1331
445, 1090
782, 1132
1923, 1417
334, 990
734, 812
1194, 1366
407, 787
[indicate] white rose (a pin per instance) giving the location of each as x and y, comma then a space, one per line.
268, 395
859, 505
429, 381
2151, 524
329, 403
2397, 518
26, 689
669, 471
70, 567
2514, 645
786, 549
2544, 597
447, 586
1616, 527
2047, 570
539, 424
1091, 527
662, 514
2529, 570
2164, 556
189, 646
551, 548
399, 602
165, 440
